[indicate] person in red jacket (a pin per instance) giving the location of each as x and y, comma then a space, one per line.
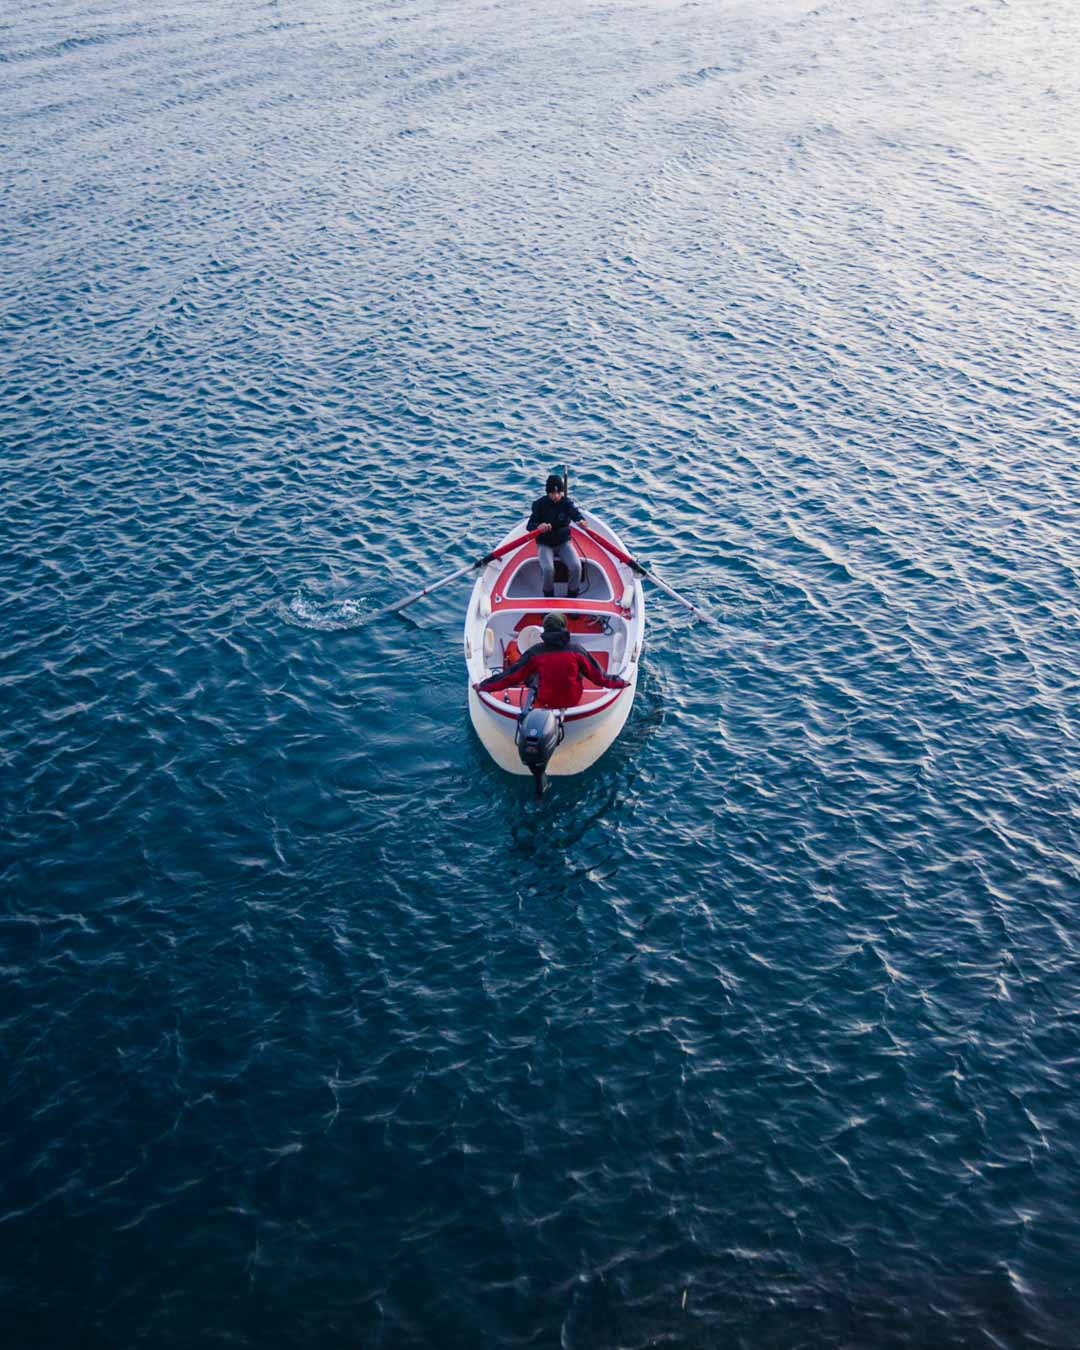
559, 667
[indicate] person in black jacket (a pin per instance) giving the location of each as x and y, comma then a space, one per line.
553, 513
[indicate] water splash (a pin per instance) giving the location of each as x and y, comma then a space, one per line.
305, 610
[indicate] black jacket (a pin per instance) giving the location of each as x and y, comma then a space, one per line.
556, 514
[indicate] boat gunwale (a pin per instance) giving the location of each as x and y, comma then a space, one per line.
577, 713
483, 605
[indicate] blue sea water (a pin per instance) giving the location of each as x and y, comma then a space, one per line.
765, 1031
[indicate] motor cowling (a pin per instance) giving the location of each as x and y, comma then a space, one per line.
539, 732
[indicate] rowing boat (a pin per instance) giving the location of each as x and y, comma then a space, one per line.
505, 617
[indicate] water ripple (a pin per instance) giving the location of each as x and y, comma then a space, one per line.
763, 1031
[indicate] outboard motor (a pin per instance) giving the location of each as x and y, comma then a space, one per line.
539, 732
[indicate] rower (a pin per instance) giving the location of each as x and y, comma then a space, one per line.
552, 514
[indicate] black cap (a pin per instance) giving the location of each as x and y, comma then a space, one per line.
555, 483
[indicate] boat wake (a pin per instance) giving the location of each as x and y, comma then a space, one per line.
323, 615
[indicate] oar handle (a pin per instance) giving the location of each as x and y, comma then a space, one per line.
506, 548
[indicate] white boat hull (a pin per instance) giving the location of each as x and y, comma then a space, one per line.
608, 620
581, 747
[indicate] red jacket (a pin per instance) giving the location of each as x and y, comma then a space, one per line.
561, 669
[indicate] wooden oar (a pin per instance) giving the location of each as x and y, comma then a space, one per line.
643, 571
469, 567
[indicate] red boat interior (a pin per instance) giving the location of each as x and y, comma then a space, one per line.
596, 619
519, 579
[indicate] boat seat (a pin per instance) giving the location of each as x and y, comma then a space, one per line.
577, 623
526, 582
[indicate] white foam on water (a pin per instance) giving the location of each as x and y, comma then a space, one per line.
323, 616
